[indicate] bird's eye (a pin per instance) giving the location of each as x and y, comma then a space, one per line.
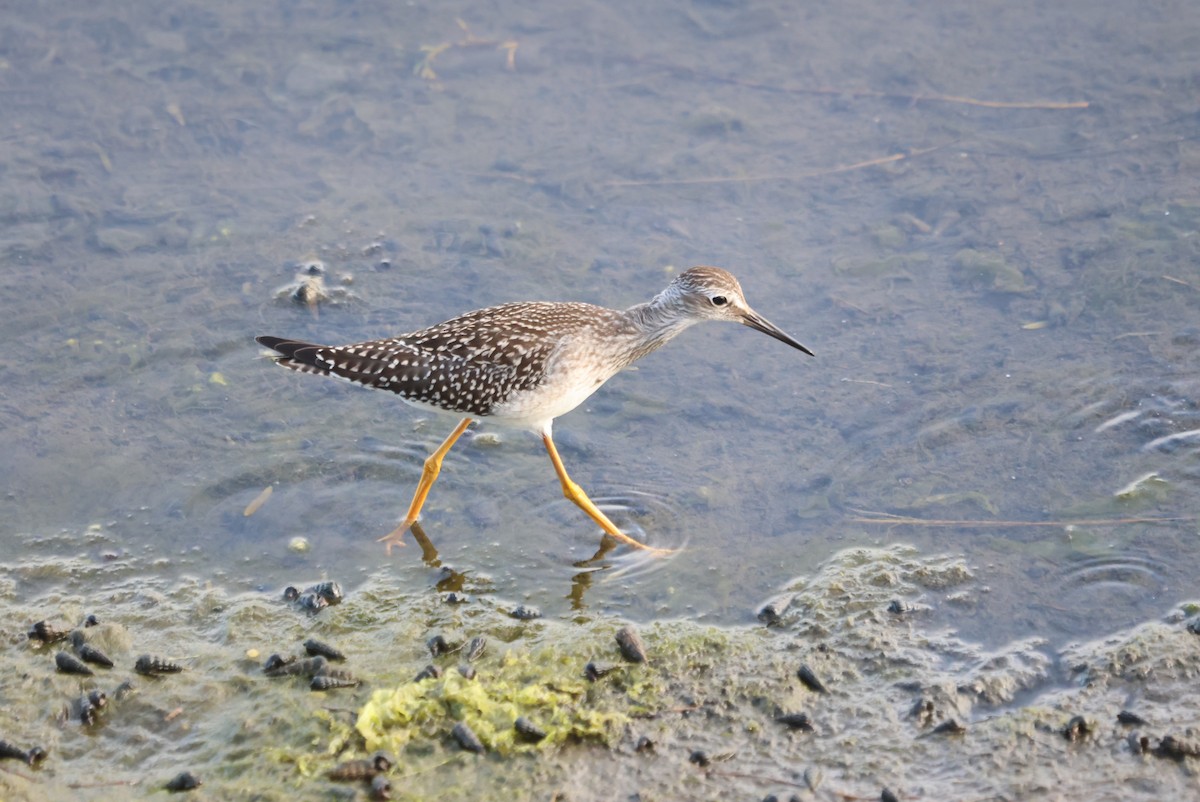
719, 300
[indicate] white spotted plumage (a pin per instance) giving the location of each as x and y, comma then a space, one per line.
524, 364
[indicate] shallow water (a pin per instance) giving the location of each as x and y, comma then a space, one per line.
1003, 300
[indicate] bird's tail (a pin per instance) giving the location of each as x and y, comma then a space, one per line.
295, 354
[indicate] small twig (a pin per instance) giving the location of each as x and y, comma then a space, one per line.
873, 93
873, 517
844, 168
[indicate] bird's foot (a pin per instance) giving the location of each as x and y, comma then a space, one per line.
396, 536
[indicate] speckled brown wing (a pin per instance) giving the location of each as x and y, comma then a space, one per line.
467, 365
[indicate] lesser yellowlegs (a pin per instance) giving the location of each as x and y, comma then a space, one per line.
524, 364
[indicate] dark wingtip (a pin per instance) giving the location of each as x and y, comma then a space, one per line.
297, 350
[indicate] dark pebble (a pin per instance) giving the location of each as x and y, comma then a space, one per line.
381, 787
772, 612
467, 671
1177, 748
948, 727
630, 643
311, 603
528, 730
644, 744
70, 664
46, 632
438, 646
887, 796
90, 654
91, 621
328, 683
594, 671
1076, 728
31, 757
524, 613
475, 649
183, 781
354, 770
152, 665
277, 661
428, 672
308, 667
382, 761
467, 738
809, 679
1131, 719
898, 607
331, 592
316, 648
796, 721
700, 758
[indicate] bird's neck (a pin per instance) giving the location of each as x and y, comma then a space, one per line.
654, 324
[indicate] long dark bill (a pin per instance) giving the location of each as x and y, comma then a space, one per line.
760, 323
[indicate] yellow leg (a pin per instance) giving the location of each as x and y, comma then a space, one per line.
575, 493
429, 474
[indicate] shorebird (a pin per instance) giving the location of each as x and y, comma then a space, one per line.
524, 364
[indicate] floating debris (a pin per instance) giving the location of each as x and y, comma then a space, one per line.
528, 730
525, 613
594, 671
183, 781
311, 603
30, 757
316, 648
46, 632
467, 738
809, 679
796, 721
630, 643
438, 646
1177, 748
365, 769
381, 787
475, 649
1131, 719
329, 682
428, 672
315, 598
948, 727
152, 665
90, 705
772, 612
70, 664
1078, 727
308, 667
331, 592
277, 661
259, 500
898, 607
